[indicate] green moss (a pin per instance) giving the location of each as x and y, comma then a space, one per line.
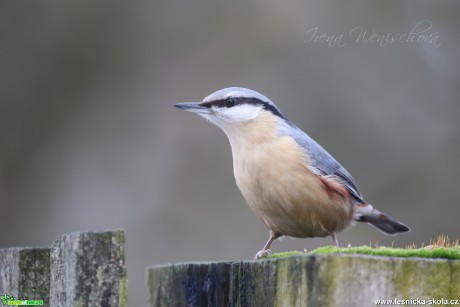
118, 236
100, 276
123, 292
282, 255
80, 302
441, 252
406, 277
291, 281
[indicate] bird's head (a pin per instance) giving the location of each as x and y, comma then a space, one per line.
231, 107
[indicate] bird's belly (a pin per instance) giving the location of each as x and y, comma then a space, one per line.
298, 210
289, 198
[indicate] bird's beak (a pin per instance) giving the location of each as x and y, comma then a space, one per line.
194, 107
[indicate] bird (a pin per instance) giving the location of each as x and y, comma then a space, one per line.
288, 180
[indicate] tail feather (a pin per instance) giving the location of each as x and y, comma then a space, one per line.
388, 225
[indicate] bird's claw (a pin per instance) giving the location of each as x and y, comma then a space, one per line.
262, 253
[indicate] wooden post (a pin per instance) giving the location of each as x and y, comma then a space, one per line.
25, 273
80, 269
88, 269
305, 280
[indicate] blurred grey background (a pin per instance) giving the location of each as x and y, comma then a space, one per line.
90, 139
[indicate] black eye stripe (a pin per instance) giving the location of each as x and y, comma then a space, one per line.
224, 103
230, 102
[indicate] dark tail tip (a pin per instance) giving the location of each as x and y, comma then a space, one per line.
383, 222
389, 225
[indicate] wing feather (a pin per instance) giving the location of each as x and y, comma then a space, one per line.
323, 163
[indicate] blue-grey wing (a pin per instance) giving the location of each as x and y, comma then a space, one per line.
323, 163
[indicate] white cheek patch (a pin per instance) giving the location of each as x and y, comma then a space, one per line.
239, 113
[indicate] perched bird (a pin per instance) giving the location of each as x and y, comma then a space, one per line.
292, 183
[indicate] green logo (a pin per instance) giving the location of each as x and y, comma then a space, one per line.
10, 300
5, 298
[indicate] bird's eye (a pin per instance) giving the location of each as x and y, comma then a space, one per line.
230, 102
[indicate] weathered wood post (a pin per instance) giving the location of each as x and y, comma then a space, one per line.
80, 269
25, 272
88, 269
305, 280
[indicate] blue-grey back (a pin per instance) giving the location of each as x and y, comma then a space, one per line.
323, 163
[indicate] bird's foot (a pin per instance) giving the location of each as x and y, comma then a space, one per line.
262, 253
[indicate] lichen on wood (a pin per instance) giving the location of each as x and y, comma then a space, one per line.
303, 280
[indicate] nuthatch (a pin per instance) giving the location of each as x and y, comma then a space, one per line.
292, 183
